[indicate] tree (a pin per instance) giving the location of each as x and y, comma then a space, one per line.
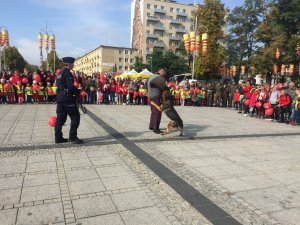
50, 57
13, 59
174, 64
139, 65
243, 22
211, 15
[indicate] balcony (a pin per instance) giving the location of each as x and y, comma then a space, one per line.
153, 36
174, 38
181, 30
158, 27
158, 45
182, 14
162, 11
175, 22
152, 18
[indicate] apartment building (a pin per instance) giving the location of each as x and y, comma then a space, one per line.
159, 24
107, 59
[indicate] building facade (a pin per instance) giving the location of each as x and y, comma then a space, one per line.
107, 59
159, 24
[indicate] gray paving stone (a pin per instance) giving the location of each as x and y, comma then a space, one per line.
42, 166
113, 183
106, 160
77, 163
40, 179
145, 216
99, 153
10, 196
73, 155
8, 217
113, 171
40, 214
10, 168
77, 175
95, 206
86, 186
131, 200
113, 219
41, 158
11, 182
40, 193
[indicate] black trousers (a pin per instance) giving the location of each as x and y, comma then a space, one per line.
155, 115
63, 110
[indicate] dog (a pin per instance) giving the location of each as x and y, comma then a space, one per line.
168, 108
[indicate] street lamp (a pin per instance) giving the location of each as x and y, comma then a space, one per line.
4, 42
46, 44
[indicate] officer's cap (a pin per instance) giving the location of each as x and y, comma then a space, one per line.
68, 60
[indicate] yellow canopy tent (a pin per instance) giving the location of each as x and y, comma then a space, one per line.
144, 74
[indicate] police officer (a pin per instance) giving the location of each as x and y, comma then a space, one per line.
67, 103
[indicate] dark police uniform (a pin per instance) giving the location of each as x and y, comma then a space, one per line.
67, 104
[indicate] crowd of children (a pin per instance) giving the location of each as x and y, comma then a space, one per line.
278, 102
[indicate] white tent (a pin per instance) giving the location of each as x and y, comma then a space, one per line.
144, 74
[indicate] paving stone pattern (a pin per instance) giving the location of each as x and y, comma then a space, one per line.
253, 178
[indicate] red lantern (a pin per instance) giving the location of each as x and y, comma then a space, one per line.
35, 87
258, 105
269, 112
247, 102
52, 121
24, 80
7, 86
283, 68
186, 42
243, 70
277, 53
279, 86
204, 43
37, 78
198, 91
83, 93
193, 41
291, 69
267, 105
192, 90
275, 68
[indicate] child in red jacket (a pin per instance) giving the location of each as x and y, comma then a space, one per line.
284, 103
236, 99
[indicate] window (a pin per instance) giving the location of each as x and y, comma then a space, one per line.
148, 6
162, 7
120, 59
177, 10
170, 34
120, 67
126, 52
171, 17
161, 17
184, 10
148, 24
120, 51
126, 67
148, 14
126, 60
131, 60
171, 9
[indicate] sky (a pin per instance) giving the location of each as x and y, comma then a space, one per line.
79, 25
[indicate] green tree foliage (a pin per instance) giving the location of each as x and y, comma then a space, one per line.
174, 63
212, 15
13, 59
139, 65
50, 57
243, 22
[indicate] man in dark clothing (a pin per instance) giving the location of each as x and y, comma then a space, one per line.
66, 103
156, 85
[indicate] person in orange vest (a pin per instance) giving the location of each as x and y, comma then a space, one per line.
182, 96
143, 95
41, 93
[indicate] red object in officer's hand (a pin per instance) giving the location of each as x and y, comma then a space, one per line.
258, 105
24, 80
36, 87
52, 121
269, 112
247, 102
7, 86
37, 78
267, 105
83, 93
